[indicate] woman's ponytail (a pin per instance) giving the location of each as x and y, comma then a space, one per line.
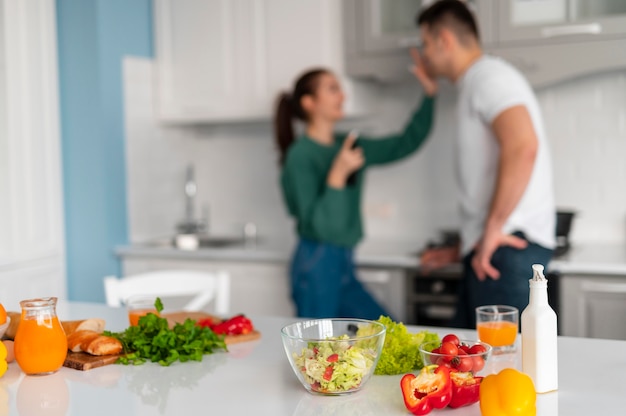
283, 125
289, 107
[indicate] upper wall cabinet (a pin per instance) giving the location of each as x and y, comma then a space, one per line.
227, 60
548, 40
555, 40
552, 21
378, 34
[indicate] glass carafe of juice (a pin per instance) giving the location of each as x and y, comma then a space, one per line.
40, 342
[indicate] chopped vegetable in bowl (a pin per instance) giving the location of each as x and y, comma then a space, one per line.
335, 365
329, 357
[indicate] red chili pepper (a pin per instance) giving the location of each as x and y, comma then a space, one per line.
465, 389
236, 325
333, 358
431, 389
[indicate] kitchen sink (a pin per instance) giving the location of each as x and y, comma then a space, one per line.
204, 241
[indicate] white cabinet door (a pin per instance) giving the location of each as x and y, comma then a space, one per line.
593, 306
31, 219
256, 288
388, 287
210, 57
551, 21
227, 60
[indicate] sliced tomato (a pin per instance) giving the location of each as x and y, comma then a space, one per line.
333, 358
328, 374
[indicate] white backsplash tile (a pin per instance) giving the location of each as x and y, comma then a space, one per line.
409, 201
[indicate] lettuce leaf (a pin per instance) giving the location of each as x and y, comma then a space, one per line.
400, 353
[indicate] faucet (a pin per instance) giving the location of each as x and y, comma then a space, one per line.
190, 225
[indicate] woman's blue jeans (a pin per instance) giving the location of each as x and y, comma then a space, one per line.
324, 284
515, 267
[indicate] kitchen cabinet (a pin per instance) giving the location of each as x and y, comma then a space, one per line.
550, 21
263, 288
593, 306
555, 40
31, 219
388, 287
225, 61
378, 33
257, 288
549, 41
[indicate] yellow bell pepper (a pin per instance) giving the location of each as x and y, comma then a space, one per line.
3, 359
508, 393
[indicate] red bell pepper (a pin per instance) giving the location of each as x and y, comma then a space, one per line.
465, 389
236, 325
431, 389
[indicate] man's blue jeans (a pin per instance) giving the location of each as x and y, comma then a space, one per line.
324, 284
515, 267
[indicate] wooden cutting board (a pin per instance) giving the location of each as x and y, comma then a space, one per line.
180, 317
83, 361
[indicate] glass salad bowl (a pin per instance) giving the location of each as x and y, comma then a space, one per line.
333, 356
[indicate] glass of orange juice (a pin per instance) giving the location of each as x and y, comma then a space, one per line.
497, 325
40, 342
139, 306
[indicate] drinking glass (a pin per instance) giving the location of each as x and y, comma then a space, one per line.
139, 306
497, 325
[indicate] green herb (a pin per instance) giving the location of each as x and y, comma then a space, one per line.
153, 340
401, 349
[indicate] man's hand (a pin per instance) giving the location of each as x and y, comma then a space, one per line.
481, 262
436, 258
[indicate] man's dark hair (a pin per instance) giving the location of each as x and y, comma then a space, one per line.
452, 14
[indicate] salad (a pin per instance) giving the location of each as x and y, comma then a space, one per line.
333, 365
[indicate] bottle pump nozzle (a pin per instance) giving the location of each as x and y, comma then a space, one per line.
538, 273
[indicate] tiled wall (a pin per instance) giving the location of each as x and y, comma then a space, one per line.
406, 202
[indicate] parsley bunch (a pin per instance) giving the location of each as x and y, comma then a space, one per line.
153, 340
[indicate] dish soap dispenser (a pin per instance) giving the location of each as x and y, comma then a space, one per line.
539, 335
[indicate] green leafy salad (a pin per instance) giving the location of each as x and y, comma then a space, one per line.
153, 340
401, 349
334, 365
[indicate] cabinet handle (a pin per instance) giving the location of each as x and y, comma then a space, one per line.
588, 29
408, 42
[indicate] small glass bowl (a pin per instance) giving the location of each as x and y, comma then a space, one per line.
330, 366
475, 363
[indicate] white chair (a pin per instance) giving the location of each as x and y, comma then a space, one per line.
203, 286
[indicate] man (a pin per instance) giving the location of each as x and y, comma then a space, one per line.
502, 163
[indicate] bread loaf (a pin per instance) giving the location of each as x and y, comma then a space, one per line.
92, 324
16, 317
93, 343
104, 345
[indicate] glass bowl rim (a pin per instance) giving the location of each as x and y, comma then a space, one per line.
382, 330
462, 341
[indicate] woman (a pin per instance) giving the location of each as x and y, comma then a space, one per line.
322, 177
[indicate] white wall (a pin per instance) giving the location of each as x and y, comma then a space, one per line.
237, 172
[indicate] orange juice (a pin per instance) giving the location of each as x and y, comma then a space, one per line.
135, 314
497, 333
40, 344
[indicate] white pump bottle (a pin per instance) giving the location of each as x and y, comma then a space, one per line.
539, 335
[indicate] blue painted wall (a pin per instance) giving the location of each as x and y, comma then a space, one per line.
93, 37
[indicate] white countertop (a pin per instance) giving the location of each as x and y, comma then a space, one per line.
370, 253
607, 259
255, 378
